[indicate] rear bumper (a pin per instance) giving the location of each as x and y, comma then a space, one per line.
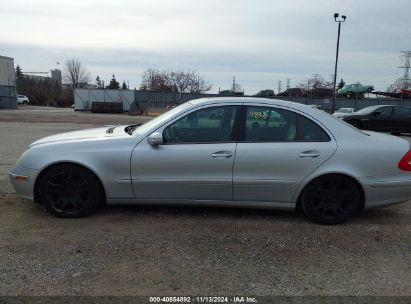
391, 190
23, 180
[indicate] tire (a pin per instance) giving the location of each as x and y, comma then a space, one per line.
25, 102
356, 123
331, 199
69, 191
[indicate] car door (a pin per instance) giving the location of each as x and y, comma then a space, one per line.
402, 119
195, 161
278, 150
381, 119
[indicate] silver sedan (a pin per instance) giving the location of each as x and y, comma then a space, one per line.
242, 152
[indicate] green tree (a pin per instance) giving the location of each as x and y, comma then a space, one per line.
19, 73
99, 83
124, 86
341, 84
114, 84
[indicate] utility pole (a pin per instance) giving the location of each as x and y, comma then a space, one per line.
279, 86
336, 57
288, 83
406, 78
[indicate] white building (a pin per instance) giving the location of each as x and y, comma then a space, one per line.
8, 97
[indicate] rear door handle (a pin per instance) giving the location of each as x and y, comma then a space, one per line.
222, 154
311, 153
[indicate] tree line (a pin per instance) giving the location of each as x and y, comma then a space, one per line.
46, 91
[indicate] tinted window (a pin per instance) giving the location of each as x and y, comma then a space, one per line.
310, 131
385, 111
402, 111
266, 124
206, 125
270, 124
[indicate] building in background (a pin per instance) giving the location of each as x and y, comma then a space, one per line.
8, 98
51, 76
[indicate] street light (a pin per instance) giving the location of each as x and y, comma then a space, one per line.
339, 21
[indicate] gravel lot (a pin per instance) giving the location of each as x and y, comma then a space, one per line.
186, 251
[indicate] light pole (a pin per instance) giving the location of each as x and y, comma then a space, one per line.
339, 21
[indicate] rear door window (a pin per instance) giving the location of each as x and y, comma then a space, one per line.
269, 124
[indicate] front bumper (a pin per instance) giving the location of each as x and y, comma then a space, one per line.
23, 180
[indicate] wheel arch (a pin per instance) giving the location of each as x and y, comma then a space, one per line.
307, 182
43, 171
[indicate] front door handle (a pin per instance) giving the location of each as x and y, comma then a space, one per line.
222, 154
311, 153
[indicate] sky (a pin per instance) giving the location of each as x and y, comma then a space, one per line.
260, 42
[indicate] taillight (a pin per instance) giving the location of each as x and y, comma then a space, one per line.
405, 162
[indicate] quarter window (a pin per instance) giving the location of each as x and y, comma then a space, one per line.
310, 131
208, 125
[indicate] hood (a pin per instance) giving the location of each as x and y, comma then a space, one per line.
338, 114
104, 132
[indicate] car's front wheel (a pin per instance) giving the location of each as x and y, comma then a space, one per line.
331, 199
69, 191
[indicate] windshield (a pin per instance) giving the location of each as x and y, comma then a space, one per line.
344, 110
367, 110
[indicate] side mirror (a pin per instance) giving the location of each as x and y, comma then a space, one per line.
155, 139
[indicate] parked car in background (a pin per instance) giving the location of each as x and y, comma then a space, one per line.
265, 93
355, 89
385, 118
313, 106
21, 99
287, 156
171, 105
293, 92
343, 112
230, 93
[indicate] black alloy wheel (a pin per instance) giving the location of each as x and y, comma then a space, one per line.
69, 191
331, 199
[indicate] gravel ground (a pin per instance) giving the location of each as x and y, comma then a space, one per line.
133, 250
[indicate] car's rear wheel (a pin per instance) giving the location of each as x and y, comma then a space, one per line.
69, 191
331, 199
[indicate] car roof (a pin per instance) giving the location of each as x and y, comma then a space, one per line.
249, 100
